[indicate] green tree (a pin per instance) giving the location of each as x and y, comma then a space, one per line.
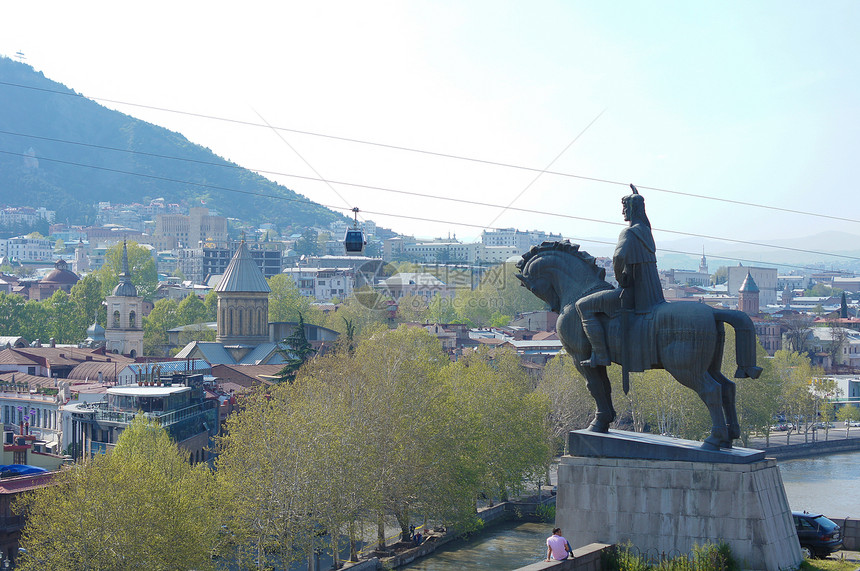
12, 314
307, 245
210, 302
503, 430
163, 317
363, 310
848, 414
36, 321
68, 324
191, 310
296, 349
87, 295
757, 400
140, 263
571, 405
824, 391
286, 303
140, 507
795, 374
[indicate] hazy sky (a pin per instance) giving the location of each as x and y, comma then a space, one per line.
747, 101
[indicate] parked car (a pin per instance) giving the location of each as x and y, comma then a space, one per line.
852, 423
782, 426
818, 536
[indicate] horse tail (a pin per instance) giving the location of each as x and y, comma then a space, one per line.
745, 341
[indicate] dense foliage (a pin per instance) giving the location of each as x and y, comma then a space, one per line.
387, 430
140, 507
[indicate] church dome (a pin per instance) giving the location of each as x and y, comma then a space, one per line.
96, 332
125, 289
61, 275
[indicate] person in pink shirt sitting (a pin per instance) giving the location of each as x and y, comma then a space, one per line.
557, 547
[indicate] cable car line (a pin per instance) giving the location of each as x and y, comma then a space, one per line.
434, 153
457, 200
423, 219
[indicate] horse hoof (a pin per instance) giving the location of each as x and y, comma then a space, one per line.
725, 444
734, 431
598, 426
711, 443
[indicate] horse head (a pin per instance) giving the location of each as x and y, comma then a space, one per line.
558, 272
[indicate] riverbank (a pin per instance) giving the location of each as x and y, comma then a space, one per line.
807, 449
527, 509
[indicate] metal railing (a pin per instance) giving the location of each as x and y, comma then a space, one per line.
163, 418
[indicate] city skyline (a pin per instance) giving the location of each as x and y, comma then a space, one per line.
747, 103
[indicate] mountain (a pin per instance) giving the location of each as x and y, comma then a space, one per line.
67, 153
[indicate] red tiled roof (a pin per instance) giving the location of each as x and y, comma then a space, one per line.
20, 484
59, 356
32, 380
245, 375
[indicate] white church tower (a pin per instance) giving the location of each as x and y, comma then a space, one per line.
124, 331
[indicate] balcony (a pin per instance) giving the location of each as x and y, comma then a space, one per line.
165, 419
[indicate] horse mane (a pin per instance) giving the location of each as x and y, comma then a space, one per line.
565, 246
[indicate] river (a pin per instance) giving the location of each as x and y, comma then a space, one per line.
826, 484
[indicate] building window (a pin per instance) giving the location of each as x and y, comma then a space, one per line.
131, 319
116, 318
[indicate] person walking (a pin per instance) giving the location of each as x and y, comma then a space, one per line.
557, 547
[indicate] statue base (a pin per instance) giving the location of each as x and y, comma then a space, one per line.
669, 506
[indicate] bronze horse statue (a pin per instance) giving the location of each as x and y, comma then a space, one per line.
684, 338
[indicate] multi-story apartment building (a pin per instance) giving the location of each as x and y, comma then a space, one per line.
765, 279
198, 263
444, 251
190, 231
323, 283
24, 215
27, 250
517, 239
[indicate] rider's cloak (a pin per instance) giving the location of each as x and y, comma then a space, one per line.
635, 264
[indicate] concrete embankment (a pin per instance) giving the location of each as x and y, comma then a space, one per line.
806, 449
499, 513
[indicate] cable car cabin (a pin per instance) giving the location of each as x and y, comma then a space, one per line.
354, 242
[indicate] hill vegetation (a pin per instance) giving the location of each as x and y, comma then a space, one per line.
63, 151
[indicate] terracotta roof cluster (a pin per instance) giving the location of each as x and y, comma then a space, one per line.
58, 356
19, 484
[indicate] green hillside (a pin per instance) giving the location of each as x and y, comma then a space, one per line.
48, 171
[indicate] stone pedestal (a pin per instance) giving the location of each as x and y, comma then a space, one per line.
668, 506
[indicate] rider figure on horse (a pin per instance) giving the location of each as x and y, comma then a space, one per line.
639, 288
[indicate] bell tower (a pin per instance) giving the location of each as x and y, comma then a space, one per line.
243, 302
124, 331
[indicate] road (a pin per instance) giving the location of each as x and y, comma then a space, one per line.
778, 438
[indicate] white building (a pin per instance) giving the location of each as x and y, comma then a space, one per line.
765, 279
323, 284
25, 249
418, 284
25, 215
521, 241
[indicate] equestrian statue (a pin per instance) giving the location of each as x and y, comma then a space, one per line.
633, 325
